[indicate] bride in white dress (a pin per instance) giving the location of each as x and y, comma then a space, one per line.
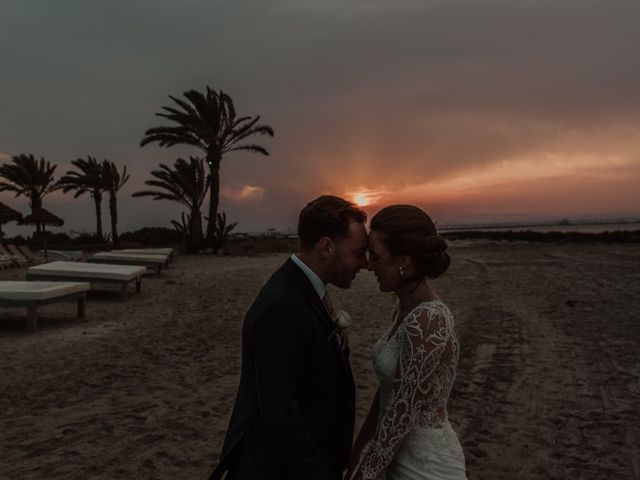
407, 434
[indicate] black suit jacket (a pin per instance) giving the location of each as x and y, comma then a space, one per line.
294, 412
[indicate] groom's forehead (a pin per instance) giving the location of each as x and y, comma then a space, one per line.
356, 235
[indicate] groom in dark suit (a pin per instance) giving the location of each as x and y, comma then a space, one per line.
294, 412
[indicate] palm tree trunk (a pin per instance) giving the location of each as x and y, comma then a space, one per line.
214, 196
36, 204
195, 238
44, 236
113, 211
97, 198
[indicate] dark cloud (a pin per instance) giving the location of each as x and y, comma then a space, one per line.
362, 93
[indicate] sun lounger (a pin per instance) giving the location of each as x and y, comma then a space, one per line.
5, 262
64, 255
89, 272
18, 260
148, 251
31, 295
154, 262
18, 254
26, 251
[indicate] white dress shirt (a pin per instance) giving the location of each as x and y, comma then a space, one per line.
316, 281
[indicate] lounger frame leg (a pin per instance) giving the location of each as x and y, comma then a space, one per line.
138, 284
124, 293
32, 318
81, 307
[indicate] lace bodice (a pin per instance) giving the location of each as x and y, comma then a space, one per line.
416, 367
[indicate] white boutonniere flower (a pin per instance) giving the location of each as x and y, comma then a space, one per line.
341, 323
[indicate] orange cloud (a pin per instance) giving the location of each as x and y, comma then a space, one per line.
543, 184
243, 193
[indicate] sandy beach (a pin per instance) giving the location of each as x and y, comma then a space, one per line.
548, 385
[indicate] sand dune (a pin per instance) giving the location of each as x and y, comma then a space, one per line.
548, 384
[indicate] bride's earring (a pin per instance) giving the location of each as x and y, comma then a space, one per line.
401, 271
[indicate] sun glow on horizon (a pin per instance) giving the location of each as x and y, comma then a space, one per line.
516, 172
364, 198
361, 199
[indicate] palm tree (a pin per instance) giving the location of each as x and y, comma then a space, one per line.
223, 230
113, 182
186, 183
209, 123
182, 227
87, 179
29, 177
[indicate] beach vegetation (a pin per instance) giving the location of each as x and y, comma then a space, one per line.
114, 180
208, 121
151, 237
87, 178
182, 228
187, 183
222, 231
28, 176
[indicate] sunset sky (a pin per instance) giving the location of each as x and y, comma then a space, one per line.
475, 110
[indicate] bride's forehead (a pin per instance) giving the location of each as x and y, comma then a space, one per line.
375, 242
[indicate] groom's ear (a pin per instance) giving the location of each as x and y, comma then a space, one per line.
326, 247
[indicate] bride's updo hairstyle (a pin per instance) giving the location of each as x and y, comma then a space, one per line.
408, 230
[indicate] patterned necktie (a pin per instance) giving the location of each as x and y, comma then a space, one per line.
326, 301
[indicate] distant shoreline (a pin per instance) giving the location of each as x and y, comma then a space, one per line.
618, 236
258, 245
589, 227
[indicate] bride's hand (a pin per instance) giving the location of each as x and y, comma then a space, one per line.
357, 476
354, 460
351, 469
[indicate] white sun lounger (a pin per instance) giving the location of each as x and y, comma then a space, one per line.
148, 251
89, 272
154, 262
64, 255
29, 255
17, 258
31, 295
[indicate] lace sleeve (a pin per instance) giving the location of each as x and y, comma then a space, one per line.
423, 338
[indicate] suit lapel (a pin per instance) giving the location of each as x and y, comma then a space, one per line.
312, 298
308, 292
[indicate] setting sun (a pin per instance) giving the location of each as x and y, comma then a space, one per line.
361, 199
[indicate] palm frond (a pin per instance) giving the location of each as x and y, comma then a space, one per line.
185, 182
250, 148
28, 176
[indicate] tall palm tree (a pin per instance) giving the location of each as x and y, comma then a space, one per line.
186, 183
29, 177
113, 182
87, 179
208, 122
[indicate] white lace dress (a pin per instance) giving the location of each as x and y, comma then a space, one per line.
416, 368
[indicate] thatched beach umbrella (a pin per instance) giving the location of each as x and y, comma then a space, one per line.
8, 214
42, 217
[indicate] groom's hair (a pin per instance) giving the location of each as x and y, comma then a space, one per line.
327, 216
